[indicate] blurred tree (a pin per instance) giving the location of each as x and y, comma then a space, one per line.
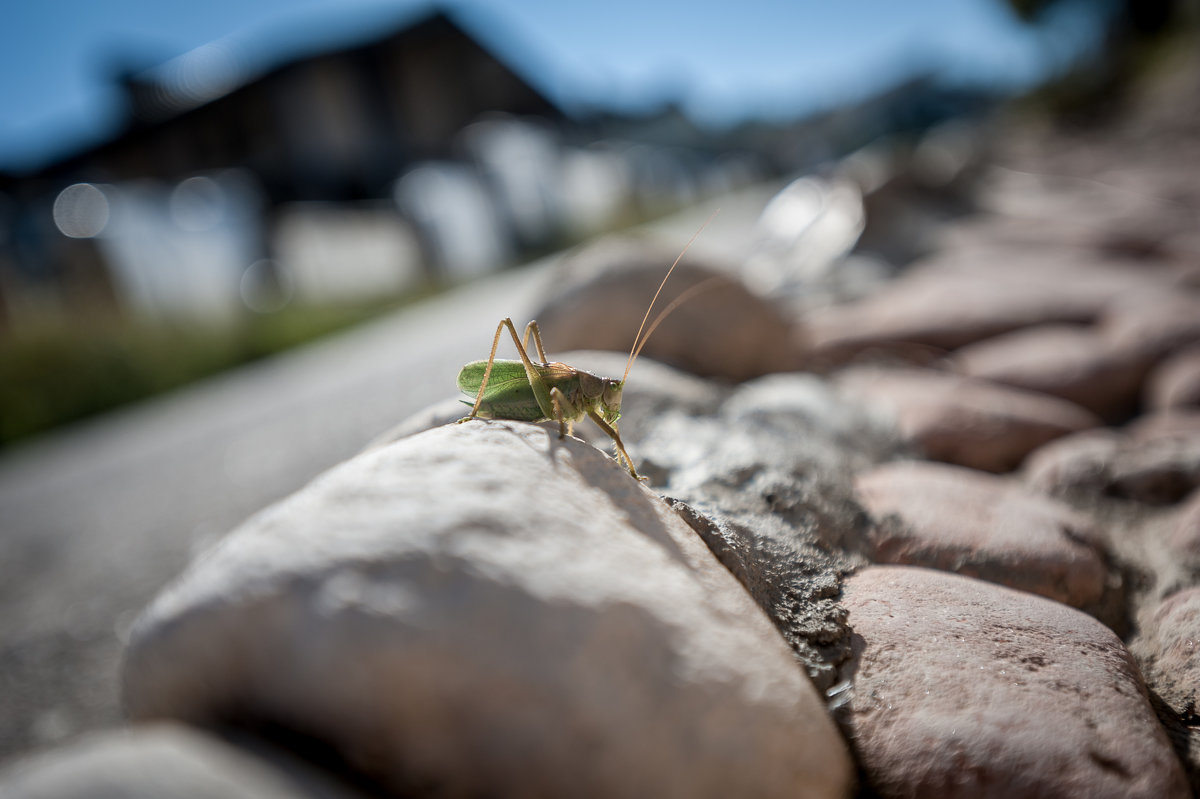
1137, 17
1132, 32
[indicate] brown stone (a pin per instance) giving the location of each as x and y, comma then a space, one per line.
1175, 383
964, 421
973, 523
1074, 462
1170, 647
1068, 361
967, 297
723, 330
1184, 539
1154, 325
963, 688
1155, 460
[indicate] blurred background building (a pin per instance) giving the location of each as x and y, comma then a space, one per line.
364, 170
341, 170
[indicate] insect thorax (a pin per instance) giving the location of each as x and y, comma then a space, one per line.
602, 394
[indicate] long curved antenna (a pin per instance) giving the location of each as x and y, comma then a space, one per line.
703, 285
636, 347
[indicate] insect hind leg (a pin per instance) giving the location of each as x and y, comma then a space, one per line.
532, 327
487, 372
540, 391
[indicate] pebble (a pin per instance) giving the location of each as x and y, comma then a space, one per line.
1155, 460
960, 298
1175, 383
1155, 326
976, 524
1170, 647
963, 688
964, 421
1073, 362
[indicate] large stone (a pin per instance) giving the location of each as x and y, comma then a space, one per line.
968, 422
1068, 361
487, 609
165, 761
976, 524
723, 330
963, 688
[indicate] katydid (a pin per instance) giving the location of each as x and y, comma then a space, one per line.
529, 391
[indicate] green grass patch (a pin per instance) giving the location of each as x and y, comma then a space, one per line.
55, 373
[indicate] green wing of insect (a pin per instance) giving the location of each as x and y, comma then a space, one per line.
509, 394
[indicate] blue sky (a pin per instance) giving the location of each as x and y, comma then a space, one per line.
724, 60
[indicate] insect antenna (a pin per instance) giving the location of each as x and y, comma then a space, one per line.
637, 348
703, 285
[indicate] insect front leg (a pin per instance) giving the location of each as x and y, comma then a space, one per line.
565, 412
611, 430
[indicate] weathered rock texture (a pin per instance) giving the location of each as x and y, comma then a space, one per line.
487, 609
767, 482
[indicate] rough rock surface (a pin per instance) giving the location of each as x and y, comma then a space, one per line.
967, 422
721, 331
485, 608
965, 688
969, 522
767, 484
1169, 650
165, 761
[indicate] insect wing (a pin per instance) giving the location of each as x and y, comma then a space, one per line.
508, 394
504, 372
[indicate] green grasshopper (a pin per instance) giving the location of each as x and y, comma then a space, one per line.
529, 391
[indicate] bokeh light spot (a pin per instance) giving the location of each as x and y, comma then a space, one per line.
81, 211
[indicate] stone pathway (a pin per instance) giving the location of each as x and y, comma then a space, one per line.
957, 556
